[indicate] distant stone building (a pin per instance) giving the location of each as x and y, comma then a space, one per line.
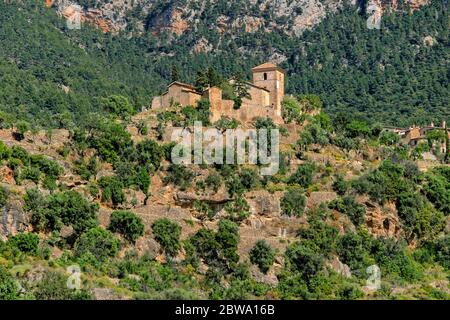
266, 93
414, 135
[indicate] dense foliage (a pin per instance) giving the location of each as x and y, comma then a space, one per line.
390, 75
167, 233
127, 223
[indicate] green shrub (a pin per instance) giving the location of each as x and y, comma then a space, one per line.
217, 249
234, 185
34, 200
65, 208
213, 181
97, 241
313, 134
22, 127
25, 242
442, 250
304, 260
14, 164
149, 153
142, 128
228, 238
112, 190
111, 140
53, 286
127, 223
31, 173
4, 194
9, 288
262, 255
238, 209
143, 180
293, 202
389, 138
204, 209
340, 186
319, 235
21, 154
226, 123
357, 129
348, 206
291, 285
291, 110
167, 234
303, 176
419, 217
437, 250
203, 244
393, 258
117, 105
349, 292
249, 178
354, 250
5, 151
49, 167
49, 183
179, 176
86, 170
437, 190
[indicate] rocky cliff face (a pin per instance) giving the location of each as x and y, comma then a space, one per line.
178, 16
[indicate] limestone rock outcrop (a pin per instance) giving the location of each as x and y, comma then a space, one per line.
13, 219
170, 16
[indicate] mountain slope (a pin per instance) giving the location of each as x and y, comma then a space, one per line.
396, 75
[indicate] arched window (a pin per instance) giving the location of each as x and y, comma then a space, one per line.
265, 76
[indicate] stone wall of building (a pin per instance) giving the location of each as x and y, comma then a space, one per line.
258, 97
176, 93
272, 80
248, 112
157, 102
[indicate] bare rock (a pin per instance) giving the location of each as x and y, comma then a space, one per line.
106, 294
383, 221
202, 45
147, 245
270, 278
340, 268
13, 219
7, 175
264, 203
104, 216
317, 197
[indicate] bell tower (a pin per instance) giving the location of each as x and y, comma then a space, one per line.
270, 77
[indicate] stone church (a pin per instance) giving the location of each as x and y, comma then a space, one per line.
266, 93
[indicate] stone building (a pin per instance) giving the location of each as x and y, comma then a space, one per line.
414, 135
266, 93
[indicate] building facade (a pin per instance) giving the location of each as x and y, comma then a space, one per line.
266, 94
415, 135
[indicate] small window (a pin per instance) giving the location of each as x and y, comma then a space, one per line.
265, 76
